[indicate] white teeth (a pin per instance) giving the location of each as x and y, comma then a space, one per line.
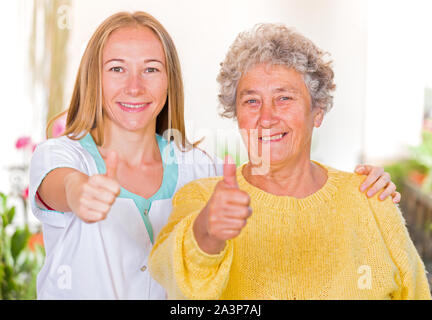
272, 137
133, 106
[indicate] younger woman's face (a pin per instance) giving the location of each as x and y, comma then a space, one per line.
134, 78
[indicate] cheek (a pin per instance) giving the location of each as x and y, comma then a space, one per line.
246, 120
158, 89
109, 87
245, 126
249, 134
298, 120
298, 125
302, 132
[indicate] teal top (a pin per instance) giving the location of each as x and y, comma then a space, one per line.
169, 181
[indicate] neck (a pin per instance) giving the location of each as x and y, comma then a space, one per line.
133, 147
297, 178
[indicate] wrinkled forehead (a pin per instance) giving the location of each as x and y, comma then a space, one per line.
274, 78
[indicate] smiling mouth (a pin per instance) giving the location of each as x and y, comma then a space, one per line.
133, 107
276, 137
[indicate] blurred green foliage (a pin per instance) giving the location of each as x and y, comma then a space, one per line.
399, 171
234, 151
419, 162
19, 265
423, 156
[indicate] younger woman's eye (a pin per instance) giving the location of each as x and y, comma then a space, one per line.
151, 70
117, 69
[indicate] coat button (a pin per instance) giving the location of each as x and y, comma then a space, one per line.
143, 268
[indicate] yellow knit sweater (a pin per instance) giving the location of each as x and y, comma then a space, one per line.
333, 244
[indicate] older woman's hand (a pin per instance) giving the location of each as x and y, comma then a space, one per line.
378, 180
225, 214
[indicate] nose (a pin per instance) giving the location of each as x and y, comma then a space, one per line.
134, 86
267, 117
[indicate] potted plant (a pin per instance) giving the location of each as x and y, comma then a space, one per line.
19, 263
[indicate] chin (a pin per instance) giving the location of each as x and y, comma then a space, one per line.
277, 155
273, 160
134, 125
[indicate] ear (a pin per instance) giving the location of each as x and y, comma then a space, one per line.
318, 116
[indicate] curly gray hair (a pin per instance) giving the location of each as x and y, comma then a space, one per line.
279, 45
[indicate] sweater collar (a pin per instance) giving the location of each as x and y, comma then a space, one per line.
270, 200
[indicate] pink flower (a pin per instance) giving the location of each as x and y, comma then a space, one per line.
25, 193
23, 142
59, 127
427, 125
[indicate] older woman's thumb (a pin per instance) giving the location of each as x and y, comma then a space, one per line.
229, 171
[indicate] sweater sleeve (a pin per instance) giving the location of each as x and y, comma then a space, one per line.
177, 262
412, 280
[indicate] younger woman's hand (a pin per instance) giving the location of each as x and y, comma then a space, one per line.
378, 180
91, 198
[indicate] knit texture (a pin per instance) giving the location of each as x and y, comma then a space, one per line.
333, 244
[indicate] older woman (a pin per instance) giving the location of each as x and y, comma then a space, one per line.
310, 233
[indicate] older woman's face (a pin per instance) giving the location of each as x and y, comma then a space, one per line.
275, 115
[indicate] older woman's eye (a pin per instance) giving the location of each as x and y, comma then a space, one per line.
286, 98
251, 101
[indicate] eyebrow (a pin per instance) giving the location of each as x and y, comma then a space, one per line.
283, 89
277, 90
122, 60
247, 92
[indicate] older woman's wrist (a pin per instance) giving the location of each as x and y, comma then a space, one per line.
207, 243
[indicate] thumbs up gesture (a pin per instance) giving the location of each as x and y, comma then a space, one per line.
225, 214
91, 198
